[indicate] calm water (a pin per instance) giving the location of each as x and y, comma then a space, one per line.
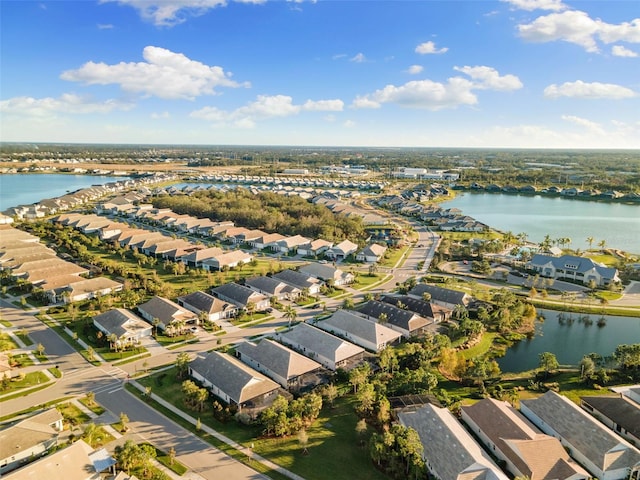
24, 189
570, 341
617, 224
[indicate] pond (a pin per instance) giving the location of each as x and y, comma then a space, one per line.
570, 337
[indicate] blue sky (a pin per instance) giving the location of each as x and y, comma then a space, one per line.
511, 73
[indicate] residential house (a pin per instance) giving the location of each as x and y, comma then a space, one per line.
28, 439
289, 244
359, 330
619, 413
166, 313
128, 328
272, 287
408, 323
214, 308
315, 248
324, 348
171, 250
428, 310
248, 236
371, 253
441, 296
227, 259
232, 381
290, 369
449, 451
265, 241
328, 273
525, 451
70, 463
241, 296
85, 289
341, 250
196, 258
604, 454
299, 280
571, 267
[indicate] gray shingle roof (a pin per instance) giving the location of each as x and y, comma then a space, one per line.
622, 411
240, 382
281, 360
323, 343
405, 319
297, 279
445, 295
237, 293
574, 263
120, 322
586, 434
359, 327
448, 448
272, 286
206, 303
413, 304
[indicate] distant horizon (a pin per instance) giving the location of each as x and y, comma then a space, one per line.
330, 147
492, 74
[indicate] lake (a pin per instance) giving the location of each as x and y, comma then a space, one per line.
570, 341
616, 223
24, 188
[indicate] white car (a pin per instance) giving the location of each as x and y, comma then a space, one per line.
194, 329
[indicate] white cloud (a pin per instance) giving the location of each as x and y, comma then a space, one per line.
264, 107
358, 58
489, 78
165, 74
65, 104
594, 90
415, 69
161, 116
531, 5
349, 124
432, 95
167, 13
577, 27
425, 94
105, 26
583, 122
339, 56
428, 48
620, 51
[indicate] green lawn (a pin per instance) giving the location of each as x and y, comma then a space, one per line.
100, 438
608, 260
164, 459
93, 406
24, 337
32, 379
23, 360
392, 256
365, 280
481, 348
72, 414
333, 450
6, 342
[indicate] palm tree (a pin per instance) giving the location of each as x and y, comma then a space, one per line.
590, 241
602, 244
290, 314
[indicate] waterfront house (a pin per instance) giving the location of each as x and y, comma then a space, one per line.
283, 365
619, 413
604, 454
232, 381
449, 451
525, 451
572, 267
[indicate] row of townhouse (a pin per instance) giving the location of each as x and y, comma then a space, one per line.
550, 438
52, 206
154, 243
30, 261
297, 180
